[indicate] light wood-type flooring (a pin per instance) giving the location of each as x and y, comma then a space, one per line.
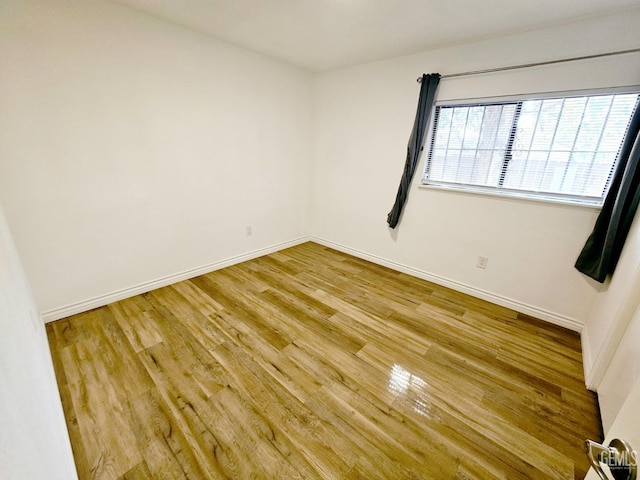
309, 363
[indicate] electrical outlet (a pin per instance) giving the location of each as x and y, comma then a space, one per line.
482, 262
249, 230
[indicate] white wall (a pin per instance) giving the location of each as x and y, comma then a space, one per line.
132, 149
362, 120
33, 436
622, 374
613, 330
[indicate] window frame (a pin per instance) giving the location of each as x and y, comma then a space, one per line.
501, 191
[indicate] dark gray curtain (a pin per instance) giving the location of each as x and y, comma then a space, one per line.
602, 250
425, 105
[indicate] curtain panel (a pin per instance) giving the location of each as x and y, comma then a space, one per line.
428, 88
602, 250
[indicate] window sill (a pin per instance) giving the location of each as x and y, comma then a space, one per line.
508, 195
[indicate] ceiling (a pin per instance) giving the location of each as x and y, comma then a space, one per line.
324, 34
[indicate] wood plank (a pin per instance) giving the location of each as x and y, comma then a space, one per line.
137, 326
320, 443
57, 345
109, 443
139, 472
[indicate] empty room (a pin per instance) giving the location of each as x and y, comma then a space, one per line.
319, 239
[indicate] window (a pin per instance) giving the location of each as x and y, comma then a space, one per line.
557, 147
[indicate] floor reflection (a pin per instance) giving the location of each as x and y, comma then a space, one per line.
411, 389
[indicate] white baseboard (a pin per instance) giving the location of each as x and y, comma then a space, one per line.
102, 300
542, 314
99, 301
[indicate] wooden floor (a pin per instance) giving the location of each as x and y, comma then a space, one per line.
309, 363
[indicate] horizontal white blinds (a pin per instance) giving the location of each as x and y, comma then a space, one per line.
563, 146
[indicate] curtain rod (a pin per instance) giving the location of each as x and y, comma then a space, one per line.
537, 64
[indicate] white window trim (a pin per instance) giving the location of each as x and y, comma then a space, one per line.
510, 194
576, 201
